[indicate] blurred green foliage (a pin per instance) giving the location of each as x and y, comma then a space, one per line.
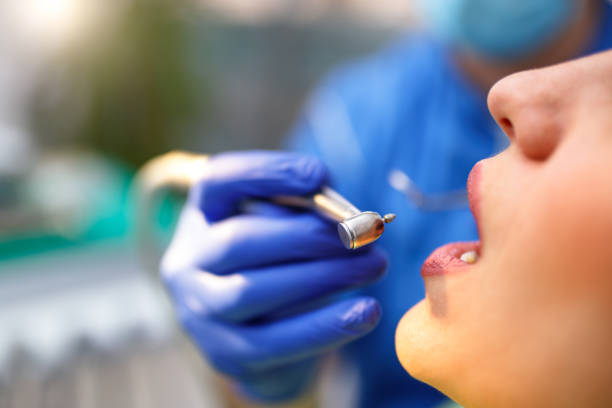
128, 90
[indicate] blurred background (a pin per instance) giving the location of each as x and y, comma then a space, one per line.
90, 90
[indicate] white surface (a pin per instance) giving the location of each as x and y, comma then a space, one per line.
98, 294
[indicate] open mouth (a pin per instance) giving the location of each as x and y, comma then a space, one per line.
451, 258
458, 255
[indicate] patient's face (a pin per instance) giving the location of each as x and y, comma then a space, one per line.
530, 322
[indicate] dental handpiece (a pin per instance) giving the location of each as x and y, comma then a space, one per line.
356, 228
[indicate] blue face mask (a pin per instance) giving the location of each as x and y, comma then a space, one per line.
503, 29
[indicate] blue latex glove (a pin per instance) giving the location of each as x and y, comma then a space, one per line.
254, 289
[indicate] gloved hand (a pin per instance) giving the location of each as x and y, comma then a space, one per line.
253, 288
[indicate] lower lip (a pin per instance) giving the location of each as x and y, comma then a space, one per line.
447, 259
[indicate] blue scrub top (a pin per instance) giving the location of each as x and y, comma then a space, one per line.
409, 108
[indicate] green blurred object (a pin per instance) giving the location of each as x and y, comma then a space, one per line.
127, 90
124, 92
69, 199
73, 199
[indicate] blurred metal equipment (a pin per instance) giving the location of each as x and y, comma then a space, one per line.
427, 202
171, 172
356, 228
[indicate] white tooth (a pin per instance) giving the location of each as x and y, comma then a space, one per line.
469, 257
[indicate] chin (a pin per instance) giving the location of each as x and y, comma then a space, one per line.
417, 347
425, 351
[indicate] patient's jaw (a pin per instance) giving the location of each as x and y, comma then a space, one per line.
530, 323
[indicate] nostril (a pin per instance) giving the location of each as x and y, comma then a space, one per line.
507, 127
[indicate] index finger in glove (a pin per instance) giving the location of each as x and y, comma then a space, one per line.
231, 177
248, 241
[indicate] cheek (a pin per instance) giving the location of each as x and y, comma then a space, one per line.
553, 237
571, 228
550, 222
552, 275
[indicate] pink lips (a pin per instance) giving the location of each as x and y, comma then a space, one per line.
447, 258
473, 190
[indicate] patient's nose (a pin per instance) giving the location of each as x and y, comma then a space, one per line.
528, 107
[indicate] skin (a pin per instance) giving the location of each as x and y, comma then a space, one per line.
530, 323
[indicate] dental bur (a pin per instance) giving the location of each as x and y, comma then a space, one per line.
356, 228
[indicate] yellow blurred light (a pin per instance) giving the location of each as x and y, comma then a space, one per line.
55, 10
52, 21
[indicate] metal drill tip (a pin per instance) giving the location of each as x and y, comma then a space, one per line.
389, 218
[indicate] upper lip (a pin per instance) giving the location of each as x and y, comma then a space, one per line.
473, 189
446, 258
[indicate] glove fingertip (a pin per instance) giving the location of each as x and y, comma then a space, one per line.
362, 317
239, 176
211, 204
301, 174
378, 262
313, 172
